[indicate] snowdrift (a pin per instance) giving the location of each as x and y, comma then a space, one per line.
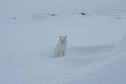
120, 47
109, 71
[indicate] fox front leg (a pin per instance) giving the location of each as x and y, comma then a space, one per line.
61, 53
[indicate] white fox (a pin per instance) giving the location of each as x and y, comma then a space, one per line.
61, 46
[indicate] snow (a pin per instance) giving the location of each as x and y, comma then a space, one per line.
111, 71
29, 31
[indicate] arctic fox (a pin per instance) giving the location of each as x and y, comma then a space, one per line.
61, 46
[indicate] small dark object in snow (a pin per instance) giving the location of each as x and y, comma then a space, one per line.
15, 18
82, 13
51, 14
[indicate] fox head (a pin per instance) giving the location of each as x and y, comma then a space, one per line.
63, 39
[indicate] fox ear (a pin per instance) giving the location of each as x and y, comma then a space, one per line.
65, 36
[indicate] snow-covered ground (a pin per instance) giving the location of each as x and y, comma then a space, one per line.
29, 31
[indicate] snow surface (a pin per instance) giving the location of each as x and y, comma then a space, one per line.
29, 31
